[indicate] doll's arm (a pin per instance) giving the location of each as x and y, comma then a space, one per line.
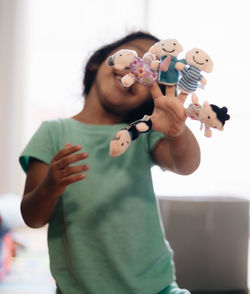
180, 66
128, 80
155, 64
203, 81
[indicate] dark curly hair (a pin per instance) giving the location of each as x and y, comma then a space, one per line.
99, 56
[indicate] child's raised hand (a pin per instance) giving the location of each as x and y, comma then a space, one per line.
61, 173
169, 113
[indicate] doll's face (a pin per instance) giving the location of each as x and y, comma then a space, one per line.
120, 143
111, 94
167, 47
209, 117
122, 58
199, 59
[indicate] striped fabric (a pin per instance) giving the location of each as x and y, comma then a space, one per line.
189, 80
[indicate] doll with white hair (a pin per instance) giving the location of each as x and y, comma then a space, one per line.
142, 70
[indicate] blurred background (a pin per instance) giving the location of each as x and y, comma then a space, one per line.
43, 48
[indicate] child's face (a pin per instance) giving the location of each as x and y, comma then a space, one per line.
113, 96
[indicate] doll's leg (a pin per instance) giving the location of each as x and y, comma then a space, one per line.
174, 289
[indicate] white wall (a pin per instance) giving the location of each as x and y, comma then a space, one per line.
222, 29
44, 44
62, 34
12, 92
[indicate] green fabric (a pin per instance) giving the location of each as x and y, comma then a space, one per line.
173, 288
105, 235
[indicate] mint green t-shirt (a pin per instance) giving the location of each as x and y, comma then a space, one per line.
105, 235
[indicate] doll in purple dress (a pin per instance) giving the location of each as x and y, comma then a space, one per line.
143, 70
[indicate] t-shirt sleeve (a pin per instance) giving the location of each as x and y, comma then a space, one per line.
153, 138
40, 147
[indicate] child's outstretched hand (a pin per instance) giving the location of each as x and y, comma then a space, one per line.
169, 113
46, 183
61, 173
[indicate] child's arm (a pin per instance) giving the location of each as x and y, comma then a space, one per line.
179, 154
179, 150
45, 183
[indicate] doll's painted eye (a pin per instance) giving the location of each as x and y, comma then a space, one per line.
197, 52
208, 117
127, 142
122, 144
206, 60
174, 44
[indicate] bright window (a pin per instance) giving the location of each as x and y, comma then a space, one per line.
62, 34
221, 29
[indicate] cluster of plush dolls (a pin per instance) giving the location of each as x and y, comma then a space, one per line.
161, 63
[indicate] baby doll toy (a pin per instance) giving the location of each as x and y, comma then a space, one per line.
142, 70
210, 115
123, 138
197, 60
167, 51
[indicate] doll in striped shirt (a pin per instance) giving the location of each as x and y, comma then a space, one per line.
197, 61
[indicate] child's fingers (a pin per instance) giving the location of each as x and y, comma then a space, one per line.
71, 170
73, 179
68, 144
170, 91
71, 158
68, 149
155, 91
183, 97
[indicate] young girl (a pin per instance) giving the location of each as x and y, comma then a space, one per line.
104, 233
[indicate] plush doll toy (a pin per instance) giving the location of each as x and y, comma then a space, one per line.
143, 70
210, 115
197, 61
123, 138
167, 51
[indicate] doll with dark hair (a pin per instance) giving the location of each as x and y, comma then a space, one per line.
104, 233
209, 115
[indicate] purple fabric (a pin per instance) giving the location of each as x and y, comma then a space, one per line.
142, 71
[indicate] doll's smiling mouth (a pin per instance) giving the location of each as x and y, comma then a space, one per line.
197, 61
168, 51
